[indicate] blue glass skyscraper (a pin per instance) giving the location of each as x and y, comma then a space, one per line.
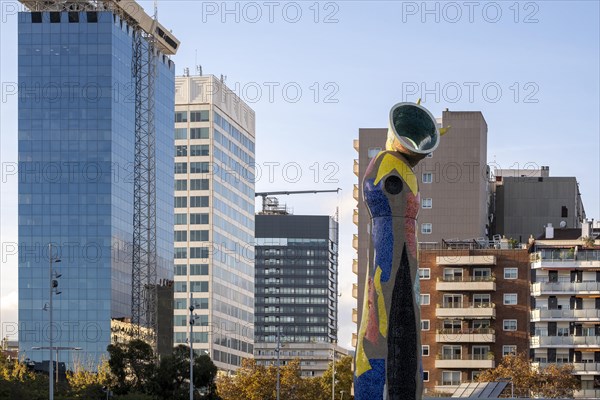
76, 153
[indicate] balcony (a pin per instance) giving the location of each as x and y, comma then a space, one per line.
466, 310
564, 341
355, 217
579, 368
355, 266
355, 241
472, 283
355, 192
355, 143
356, 168
465, 361
481, 335
355, 290
579, 288
354, 339
587, 394
355, 316
466, 260
565, 258
584, 315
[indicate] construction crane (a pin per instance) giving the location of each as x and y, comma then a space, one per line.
270, 205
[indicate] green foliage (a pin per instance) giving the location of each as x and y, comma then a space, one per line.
343, 379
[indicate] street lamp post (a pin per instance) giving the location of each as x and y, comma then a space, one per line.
333, 374
342, 394
277, 349
57, 348
53, 290
192, 321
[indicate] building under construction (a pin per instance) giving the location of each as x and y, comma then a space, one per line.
96, 106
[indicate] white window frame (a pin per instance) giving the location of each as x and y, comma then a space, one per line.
425, 325
509, 270
425, 350
429, 176
505, 322
425, 299
509, 349
425, 376
507, 299
452, 373
424, 273
425, 231
427, 203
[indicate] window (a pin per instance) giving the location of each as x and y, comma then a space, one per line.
180, 184
180, 287
199, 184
199, 116
180, 320
180, 304
480, 352
198, 236
453, 274
426, 228
452, 301
511, 273
199, 287
425, 299
509, 324
199, 150
481, 274
180, 168
180, 236
198, 252
424, 324
510, 299
199, 133
180, 202
454, 325
198, 167
198, 269
481, 300
451, 352
451, 378
509, 350
181, 270
199, 201
424, 273
180, 151
373, 151
180, 252
427, 203
425, 376
427, 177
180, 219
198, 219
180, 133
425, 350
181, 116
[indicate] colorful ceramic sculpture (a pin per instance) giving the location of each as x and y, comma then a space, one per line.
388, 352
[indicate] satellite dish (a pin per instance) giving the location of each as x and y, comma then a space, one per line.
563, 224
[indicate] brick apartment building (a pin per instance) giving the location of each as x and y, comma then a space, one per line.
474, 310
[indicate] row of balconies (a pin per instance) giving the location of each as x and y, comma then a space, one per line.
565, 259
537, 342
579, 368
538, 315
550, 288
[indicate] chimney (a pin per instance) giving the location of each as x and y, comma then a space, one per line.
586, 228
549, 231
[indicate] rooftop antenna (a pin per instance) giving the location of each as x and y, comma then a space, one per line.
155, 10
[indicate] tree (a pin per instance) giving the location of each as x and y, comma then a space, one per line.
133, 366
343, 379
86, 384
551, 382
257, 382
205, 372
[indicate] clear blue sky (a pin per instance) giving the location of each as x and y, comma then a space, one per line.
542, 56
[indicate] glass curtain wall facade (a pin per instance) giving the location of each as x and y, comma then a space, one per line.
296, 278
214, 220
76, 152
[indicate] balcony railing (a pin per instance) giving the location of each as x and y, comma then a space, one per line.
466, 310
465, 361
355, 168
467, 305
558, 341
486, 283
585, 314
587, 394
579, 368
540, 288
476, 335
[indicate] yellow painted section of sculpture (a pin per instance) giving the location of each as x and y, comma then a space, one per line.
391, 163
362, 361
443, 131
383, 319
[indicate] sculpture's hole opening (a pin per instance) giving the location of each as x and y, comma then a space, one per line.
415, 126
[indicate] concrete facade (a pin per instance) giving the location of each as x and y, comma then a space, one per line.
474, 310
527, 200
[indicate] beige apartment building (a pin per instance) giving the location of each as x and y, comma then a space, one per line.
453, 183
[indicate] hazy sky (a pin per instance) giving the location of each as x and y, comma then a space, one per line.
317, 72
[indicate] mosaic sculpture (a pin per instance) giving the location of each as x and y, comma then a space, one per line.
388, 352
